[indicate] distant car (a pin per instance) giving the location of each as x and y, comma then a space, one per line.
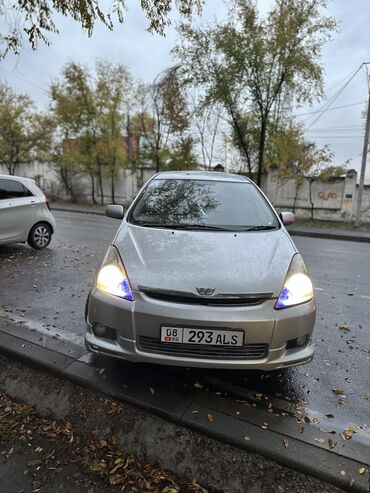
202, 273
24, 213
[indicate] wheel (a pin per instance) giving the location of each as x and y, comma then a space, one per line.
40, 236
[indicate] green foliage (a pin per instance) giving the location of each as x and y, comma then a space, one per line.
294, 156
34, 19
25, 134
257, 67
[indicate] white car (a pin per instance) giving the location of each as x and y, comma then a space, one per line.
24, 213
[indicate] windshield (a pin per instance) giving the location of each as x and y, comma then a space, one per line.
203, 204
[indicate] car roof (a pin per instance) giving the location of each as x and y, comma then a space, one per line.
201, 175
19, 178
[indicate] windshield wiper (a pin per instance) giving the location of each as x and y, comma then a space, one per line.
261, 228
150, 224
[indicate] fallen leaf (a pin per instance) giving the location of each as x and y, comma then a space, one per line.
365, 397
351, 480
320, 440
265, 426
362, 470
210, 418
197, 385
194, 412
38, 449
286, 442
342, 473
330, 416
248, 439
345, 329
342, 401
331, 443
152, 391
339, 392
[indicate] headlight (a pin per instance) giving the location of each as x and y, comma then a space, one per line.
297, 287
112, 277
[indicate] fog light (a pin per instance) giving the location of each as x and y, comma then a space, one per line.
99, 330
297, 342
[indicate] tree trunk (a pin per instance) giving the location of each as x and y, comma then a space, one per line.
157, 161
261, 152
67, 182
311, 201
112, 188
93, 188
100, 183
296, 195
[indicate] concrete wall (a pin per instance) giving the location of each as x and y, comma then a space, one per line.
332, 200
47, 177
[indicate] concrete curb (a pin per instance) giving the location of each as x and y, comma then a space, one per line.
295, 232
191, 409
81, 211
330, 236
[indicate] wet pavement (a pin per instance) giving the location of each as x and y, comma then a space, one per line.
46, 291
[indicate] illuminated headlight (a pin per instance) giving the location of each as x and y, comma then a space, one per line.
112, 277
297, 287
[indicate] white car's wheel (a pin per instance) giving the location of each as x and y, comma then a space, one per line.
40, 236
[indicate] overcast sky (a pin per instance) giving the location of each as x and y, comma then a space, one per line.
146, 55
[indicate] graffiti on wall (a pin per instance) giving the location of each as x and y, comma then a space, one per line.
327, 195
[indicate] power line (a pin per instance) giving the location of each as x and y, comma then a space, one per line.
327, 106
344, 128
331, 109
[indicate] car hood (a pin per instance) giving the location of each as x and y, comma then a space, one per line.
182, 261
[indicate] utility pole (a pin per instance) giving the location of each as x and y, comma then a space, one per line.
363, 166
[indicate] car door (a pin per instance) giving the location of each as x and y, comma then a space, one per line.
16, 209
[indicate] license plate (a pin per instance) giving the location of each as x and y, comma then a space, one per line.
210, 337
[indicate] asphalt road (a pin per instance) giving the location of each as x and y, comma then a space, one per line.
47, 292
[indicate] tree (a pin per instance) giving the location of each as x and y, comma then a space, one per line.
257, 67
92, 113
33, 20
206, 121
25, 135
164, 115
113, 91
75, 115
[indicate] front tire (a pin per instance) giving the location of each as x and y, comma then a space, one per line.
40, 236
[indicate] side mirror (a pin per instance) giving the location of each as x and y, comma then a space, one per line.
114, 211
287, 218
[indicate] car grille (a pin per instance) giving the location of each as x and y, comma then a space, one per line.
248, 351
197, 300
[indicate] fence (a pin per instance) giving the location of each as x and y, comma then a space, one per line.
127, 182
333, 200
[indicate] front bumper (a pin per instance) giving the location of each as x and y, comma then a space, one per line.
142, 318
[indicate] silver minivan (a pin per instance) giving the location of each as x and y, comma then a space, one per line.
203, 273
24, 213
